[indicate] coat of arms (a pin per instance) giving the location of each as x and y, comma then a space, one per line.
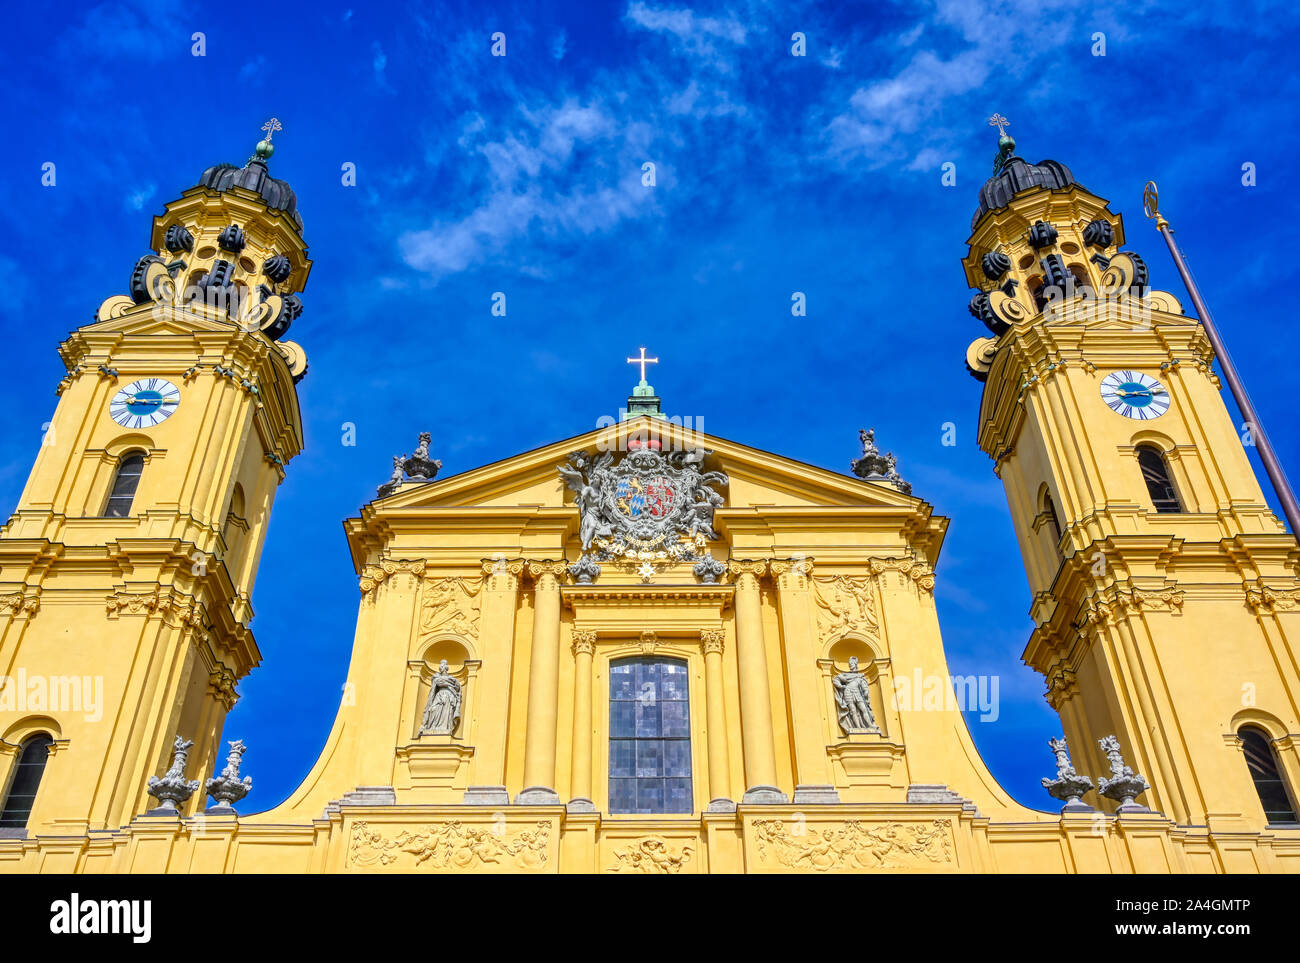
648, 506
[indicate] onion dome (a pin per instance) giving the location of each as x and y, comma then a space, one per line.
254, 176
1012, 174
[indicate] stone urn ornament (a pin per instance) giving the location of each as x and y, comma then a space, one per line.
173, 788
227, 789
1068, 786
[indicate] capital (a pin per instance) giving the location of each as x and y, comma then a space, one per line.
792, 572
712, 640
547, 573
584, 642
747, 572
503, 573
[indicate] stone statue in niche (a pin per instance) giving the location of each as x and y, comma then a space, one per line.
853, 697
442, 710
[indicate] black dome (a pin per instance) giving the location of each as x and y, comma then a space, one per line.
277, 194
1019, 175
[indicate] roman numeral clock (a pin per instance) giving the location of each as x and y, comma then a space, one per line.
144, 403
1134, 395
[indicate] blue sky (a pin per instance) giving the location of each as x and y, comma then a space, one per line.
522, 174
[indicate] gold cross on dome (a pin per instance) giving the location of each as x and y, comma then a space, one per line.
271, 126
643, 361
1001, 123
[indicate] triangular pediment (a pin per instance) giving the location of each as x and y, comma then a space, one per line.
1120, 314
756, 479
152, 320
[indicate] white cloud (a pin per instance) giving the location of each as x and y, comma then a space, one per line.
709, 39
538, 183
140, 196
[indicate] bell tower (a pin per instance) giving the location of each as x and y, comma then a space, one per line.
1165, 598
127, 568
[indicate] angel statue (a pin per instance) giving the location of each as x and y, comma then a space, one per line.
586, 489
708, 501
442, 711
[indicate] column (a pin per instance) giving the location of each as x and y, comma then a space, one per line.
811, 768
584, 647
711, 640
755, 696
543, 687
491, 704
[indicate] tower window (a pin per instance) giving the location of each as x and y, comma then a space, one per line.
1037, 292
1155, 472
1261, 760
1053, 522
649, 737
32, 757
129, 470
236, 511
1081, 281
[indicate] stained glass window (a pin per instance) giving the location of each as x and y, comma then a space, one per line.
649, 737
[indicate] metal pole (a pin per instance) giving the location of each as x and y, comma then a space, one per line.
1266, 454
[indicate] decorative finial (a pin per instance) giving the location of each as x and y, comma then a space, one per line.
1006, 143
1068, 785
264, 147
1151, 205
173, 787
227, 788
643, 361
1124, 784
873, 466
418, 467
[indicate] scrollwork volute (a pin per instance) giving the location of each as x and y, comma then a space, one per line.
19, 603
792, 573
908, 566
372, 576
546, 573
746, 572
503, 574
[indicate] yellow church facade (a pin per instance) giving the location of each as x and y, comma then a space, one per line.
643, 649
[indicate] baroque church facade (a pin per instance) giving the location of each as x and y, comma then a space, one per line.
644, 649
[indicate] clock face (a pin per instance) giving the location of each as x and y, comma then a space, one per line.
1134, 395
144, 403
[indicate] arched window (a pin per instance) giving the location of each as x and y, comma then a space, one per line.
1053, 522
129, 470
649, 737
1037, 291
1082, 283
1261, 760
1155, 472
32, 756
235, 514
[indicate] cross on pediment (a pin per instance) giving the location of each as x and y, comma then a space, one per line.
643, 361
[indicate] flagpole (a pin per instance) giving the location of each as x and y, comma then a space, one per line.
1276, 475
